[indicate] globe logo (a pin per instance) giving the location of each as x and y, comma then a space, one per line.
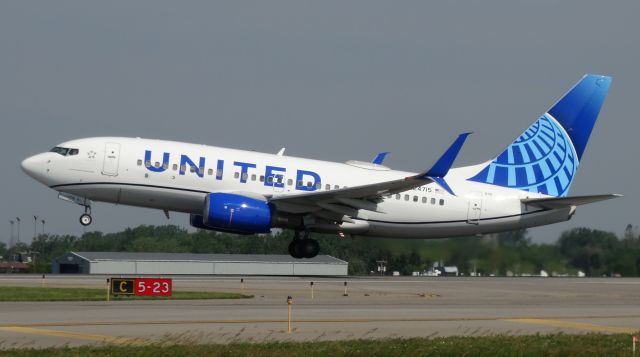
541, 160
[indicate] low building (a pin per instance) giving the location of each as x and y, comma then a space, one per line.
125, 263
13, 267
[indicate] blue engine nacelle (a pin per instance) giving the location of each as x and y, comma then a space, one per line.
229, 212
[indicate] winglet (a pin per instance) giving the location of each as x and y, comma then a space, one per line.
441, 168
380, 158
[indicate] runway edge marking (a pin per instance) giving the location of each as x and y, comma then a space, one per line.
574, 325
75, 335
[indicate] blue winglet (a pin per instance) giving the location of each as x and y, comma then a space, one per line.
380, 158
442, 166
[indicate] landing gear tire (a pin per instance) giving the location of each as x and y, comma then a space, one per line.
294, 249
85, 219
304, 248
311, 248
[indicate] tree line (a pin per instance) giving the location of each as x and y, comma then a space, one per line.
594, 252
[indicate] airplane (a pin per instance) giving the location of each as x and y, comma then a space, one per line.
247, 192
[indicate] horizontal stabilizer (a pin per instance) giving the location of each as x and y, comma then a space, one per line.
562, 202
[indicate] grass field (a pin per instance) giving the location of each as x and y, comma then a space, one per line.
553, 345
18, 293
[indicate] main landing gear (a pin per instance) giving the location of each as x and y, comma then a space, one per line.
303, 248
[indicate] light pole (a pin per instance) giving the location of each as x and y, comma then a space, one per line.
35, 228
43, 227
18, 220
11, 236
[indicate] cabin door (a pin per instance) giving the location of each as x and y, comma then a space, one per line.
475, 209
111, 159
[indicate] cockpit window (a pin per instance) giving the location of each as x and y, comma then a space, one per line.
60, 150
65, 151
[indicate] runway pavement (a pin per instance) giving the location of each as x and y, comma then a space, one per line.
374, 308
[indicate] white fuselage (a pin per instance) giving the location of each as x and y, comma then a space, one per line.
115, 170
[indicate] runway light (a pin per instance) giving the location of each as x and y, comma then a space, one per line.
289, 305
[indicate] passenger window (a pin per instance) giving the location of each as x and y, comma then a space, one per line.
336, 187
415, 198
147, 163
183, 168
245, 176
175, 167
192, 169
433, 201
397, 196
236, 175
261, 178
165, 166
300, 183
157, 164
309, 184
441, 202
218, 173
290, 182
253, 177
319, 186
210, 172
139, 162
424, 200
406, 197
279, 179
270, 179
327, 187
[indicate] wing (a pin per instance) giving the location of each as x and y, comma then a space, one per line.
341, 203
562, 202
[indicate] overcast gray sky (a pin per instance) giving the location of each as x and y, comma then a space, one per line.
332, 80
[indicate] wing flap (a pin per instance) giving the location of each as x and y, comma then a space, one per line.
562, 202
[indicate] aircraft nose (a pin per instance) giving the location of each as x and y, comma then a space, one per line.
30, 165
36, 167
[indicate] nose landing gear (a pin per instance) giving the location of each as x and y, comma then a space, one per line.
303, 248
85, 219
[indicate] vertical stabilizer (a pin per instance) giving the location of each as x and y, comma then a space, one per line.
545, 158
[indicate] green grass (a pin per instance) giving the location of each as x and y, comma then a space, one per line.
19, 293
538, 345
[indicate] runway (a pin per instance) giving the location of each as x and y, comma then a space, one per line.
373, 308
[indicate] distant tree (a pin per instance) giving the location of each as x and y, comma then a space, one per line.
589, 250
516, 238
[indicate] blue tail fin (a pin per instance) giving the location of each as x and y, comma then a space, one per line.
545, 158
